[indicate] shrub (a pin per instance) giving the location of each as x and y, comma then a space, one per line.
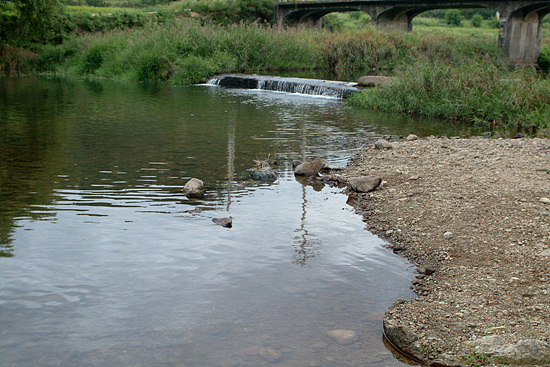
479, 92
454, 17
477, 20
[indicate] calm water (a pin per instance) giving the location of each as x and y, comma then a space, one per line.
105, 263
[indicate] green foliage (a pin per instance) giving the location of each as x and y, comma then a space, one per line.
23, 22
232, 11
544, 59
454, 17
486, 13
476, 359
480, 92
347, 20
477, 20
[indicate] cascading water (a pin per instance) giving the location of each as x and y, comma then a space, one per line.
325, 88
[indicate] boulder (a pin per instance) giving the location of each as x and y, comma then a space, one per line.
382, 144
263, 174
524, 352
224, 222
374, 81
193, 189
311, 168
364, 183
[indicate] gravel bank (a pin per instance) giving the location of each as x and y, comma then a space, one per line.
474, 216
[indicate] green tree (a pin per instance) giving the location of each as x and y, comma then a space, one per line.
27, 21
477, 20
454, 17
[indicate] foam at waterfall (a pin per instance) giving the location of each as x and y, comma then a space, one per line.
325, 88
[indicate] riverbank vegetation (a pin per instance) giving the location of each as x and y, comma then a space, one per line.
448, 67
480, 92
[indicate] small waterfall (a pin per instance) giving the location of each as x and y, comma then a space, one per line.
325, 88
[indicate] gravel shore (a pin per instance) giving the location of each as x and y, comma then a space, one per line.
474, 216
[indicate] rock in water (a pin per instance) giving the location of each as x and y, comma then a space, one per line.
364, 183
343, 337
193, 189
224, 222
311, 168
270, 354
263, 174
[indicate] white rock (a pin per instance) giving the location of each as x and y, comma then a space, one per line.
193, 188
343, 337
448, 235
545, 200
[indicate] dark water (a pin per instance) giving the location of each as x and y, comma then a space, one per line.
105, 263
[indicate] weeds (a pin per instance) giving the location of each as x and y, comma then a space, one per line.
476, 359
479, 92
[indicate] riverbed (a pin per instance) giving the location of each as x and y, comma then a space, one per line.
106, 262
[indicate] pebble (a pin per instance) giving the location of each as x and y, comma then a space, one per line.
545, 200
448, 235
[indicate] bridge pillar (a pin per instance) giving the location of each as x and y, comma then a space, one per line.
392, 20
520, 36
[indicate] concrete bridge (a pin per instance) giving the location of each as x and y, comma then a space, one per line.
520, 20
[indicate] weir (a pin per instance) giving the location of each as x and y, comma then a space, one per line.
313, 87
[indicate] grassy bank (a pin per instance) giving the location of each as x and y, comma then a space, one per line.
479, 92
183, 51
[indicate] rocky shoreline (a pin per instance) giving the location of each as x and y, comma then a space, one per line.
474, 216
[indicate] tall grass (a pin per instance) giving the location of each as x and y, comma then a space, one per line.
183, 51
480, 92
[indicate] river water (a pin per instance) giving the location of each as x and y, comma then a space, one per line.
106, 263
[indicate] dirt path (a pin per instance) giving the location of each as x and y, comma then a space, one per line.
476, 213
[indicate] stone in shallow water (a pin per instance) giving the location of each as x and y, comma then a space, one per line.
224, 222
194, 189
264, 174
343, 337
270, 354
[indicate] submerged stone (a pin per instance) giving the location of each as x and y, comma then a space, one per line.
343, 337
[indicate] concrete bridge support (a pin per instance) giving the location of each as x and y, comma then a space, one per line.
520, 26
521, 32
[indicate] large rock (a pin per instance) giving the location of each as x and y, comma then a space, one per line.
364, 183
263, 174
374, 81
382, 144
343, 337
524, 352
193, 189
311, 168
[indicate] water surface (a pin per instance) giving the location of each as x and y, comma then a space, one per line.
106, 263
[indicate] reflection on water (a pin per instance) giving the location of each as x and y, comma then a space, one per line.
106, 263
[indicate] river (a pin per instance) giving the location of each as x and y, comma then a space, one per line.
106, 263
